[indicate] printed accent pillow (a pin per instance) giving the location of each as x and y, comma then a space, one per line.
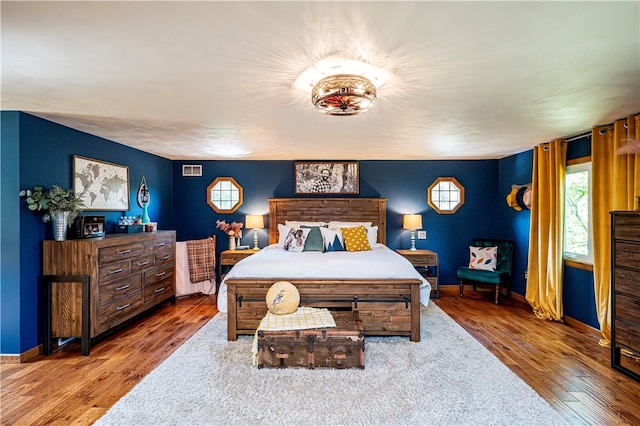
295, 239
314, 240
355, 239
485, 258
283, 231
332, 239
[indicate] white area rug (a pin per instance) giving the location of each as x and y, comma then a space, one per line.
446, 379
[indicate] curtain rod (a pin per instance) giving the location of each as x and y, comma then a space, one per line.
580, 136
601, 131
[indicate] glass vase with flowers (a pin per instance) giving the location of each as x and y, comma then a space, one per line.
232, 230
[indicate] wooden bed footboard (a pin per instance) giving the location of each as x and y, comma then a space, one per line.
387, 307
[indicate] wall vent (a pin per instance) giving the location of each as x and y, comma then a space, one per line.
191, 170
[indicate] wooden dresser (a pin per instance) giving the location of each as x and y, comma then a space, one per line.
625, 292
128, 275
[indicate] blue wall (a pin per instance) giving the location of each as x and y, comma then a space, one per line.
578, 292
9, 234
39, 152
403, 183
45, 158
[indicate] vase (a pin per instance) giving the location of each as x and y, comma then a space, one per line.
59, 222
232, 243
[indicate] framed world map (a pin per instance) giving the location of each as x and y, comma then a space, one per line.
104, 186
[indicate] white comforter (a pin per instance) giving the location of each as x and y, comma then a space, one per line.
270, 262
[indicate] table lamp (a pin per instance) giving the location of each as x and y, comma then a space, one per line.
412, 222
255, 221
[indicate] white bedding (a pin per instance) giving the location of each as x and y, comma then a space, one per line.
270, 262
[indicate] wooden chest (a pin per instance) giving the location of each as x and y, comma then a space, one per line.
339, 347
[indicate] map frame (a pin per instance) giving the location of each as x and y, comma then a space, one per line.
86, 170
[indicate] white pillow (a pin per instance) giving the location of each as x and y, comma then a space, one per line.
282, 234
295, 239
297, 224
485, 258
372, 235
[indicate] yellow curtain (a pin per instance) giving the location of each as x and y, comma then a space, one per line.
545, 270
616, 183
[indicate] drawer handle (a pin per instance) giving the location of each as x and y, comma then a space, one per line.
166, 257
143, 263
124, 251
119, 308
161, 274
123, 287
159, 244
116, 271
159, 290
417, 259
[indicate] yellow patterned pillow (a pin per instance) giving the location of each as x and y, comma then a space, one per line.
355, 239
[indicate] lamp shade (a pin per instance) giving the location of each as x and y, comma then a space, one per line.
255, 221
412, 221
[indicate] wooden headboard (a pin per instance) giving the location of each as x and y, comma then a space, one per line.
327, 209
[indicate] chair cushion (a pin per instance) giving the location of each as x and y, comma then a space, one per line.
505, 252
482, 276
485, 258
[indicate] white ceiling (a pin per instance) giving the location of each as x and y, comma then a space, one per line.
214, 80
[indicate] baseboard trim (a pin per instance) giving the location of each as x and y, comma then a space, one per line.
23, 357
450, 289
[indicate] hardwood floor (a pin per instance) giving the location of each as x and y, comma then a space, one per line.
564, 364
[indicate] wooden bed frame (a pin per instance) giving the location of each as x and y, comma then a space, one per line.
386, 306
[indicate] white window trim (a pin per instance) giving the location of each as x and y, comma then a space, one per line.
576, 257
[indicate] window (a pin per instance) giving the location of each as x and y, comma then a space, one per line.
577, 214
224, 195
445, 195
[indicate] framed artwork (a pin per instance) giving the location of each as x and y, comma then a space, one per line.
105, 186
339, 177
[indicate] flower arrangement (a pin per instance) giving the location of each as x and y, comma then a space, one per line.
231, 230
56, 199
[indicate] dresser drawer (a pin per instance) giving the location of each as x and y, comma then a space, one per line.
158, 274
142, 263
164, 258
627, 255
627, 227
627, 335
422, 260
120, 252
233, 257
120, 289
628, 309
627, 281
119, 309
159, 245
114, 271
158, 290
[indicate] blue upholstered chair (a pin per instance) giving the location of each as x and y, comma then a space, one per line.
500, 277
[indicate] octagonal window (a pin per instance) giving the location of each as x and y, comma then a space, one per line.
224, 195
445, 195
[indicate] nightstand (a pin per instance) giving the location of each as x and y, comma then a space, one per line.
228, 258
426, 263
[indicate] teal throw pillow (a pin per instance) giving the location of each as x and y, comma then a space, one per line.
314, 239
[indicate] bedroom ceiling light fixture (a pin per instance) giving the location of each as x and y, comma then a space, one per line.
343, 94
412, 222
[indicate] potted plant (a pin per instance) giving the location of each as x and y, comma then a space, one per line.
59, 205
